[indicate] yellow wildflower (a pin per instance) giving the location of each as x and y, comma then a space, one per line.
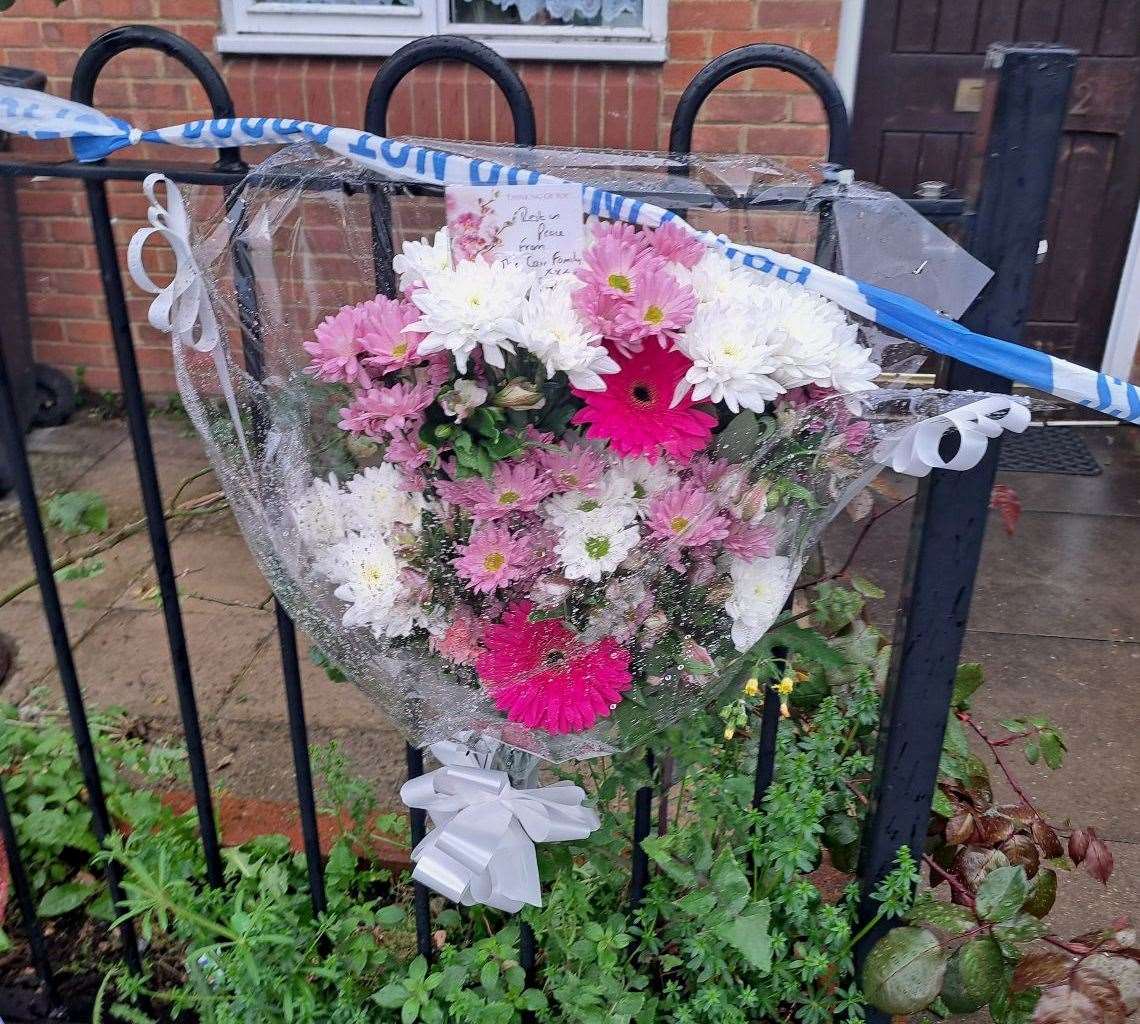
752, 687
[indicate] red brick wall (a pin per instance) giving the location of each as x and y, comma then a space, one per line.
589, 105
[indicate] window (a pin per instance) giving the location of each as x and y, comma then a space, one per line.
631, 30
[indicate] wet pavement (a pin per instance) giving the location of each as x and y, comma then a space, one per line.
1055, 621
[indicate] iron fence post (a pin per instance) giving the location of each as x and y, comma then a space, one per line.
1027, 99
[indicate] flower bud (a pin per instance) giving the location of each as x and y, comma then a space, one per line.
754, 501
462, 399
519, 394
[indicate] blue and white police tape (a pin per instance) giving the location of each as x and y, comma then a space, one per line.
94, 135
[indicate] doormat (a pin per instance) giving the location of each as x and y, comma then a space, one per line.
1047, 450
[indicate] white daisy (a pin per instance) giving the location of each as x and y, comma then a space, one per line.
368, 573
472, 305
613, 495
420, 259
733, 358
378, 499
644, 479
593, 544
759, 589
318, 512
551, 329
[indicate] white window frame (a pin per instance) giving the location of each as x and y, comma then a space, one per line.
345, 30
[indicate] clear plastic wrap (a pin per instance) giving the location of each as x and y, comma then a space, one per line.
557, 510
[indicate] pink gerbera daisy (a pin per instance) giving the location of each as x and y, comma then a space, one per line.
378, 412
493, 558
659, 307
686, 516
634, 412
338, 349
387, 344
513, 487
543, 676
676, 245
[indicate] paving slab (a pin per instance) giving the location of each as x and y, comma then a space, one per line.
259, 696
217, 569
124, 660
24, 629
1091, 690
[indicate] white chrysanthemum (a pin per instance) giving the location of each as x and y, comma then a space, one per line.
378, 499
808, 331
733, 358
563, 509
715, 278
593, 544
473, 305
368, 573
853, 372
551, 329
644, 479
420, 259
318, 512
759, 589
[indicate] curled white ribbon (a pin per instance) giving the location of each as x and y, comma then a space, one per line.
481, 850
183, 308
915, 450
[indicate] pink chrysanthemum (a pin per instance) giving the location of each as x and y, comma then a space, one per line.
614, 264
626, 234
378, 412
493, 558
407, 453
543, 676
462, 640
599, 309
676, 245
513, 487
660, 307
749, 541
572, 469
338, 349
857, 434
634, 412
387, 345
686, 516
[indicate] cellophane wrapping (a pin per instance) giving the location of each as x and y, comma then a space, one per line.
557, 510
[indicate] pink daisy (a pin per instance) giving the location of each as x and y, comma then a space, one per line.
388, 345
572, 469
461, 641
676, 245
407, 453
750, 541
686, 516
614, 263
493, 558
338, 349
634, 412
513, 487
380, 411
599, 309
659, 307
543, 676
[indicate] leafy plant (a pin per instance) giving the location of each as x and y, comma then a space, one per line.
76, 512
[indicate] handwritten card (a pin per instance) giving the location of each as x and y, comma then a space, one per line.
538, 227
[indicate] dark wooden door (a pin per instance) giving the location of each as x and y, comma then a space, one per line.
915, 112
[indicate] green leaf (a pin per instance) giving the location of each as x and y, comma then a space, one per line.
737, 441
62, 898
84, 569
871, 591
410, 1011
730, 884
391, 916
1002, 893
947, 917
656, 848
77, 512
482, 420
1022, 928
748, 935
967, 680
489, 975
954, 740
5, 942
1052, 749
391, 995
504, 447
903, 972
805, 642
1042, 893
973, 977
840, 830
1033, 751
942, 804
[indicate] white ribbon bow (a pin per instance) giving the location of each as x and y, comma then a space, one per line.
482, 847
915, 450
183, 308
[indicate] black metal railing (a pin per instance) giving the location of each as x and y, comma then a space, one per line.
1028, 91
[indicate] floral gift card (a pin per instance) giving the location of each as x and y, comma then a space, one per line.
536, 227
